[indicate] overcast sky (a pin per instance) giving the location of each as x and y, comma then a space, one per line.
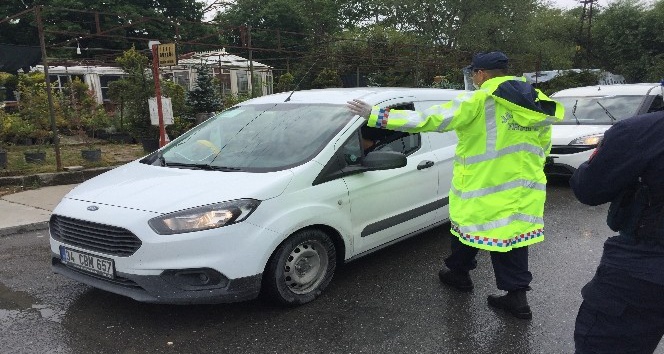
566, 4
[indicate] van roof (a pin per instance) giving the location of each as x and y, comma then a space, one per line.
372, 95
640, 89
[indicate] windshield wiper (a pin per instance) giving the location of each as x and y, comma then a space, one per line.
226, 168
574, 112
204, 166
613, 119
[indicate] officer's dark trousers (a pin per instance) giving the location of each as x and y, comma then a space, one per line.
619, 314
510, 268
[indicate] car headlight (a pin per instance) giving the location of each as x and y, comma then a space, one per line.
592, 140
203, 218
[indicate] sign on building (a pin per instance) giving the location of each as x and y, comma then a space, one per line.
166, 110
167, 54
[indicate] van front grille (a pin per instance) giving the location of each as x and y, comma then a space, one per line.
101, 238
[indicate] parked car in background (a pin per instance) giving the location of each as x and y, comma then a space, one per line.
266, 197
589, 112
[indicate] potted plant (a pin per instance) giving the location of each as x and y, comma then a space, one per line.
93, 122
38, 155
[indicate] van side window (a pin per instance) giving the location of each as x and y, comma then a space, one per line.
376, 139
352, 150
656, 105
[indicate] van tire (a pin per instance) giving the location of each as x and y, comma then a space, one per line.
300, 268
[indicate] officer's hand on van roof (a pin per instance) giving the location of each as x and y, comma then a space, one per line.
359, 107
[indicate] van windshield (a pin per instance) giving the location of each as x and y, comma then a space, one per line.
258, 138
592, 110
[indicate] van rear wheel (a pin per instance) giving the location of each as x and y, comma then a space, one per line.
300, 268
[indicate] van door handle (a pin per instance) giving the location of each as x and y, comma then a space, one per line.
424, 164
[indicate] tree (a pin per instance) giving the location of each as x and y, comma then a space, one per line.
204, 98
62, 25
280, 26
286, 83
133, 92
327, 78
628, 39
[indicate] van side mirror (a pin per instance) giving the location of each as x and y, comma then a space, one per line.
384, 160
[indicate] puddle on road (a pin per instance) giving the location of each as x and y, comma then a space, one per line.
16, 304
14, 300
49, 313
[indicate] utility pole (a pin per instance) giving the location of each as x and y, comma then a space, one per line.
251, 63
49, 94
584, 36
157, 91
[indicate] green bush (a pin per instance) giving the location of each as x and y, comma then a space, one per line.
286, 83
233, 99
327, 78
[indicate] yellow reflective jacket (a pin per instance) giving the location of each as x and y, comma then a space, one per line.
498, 185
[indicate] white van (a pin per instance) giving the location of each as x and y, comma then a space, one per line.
589, 112
266, 197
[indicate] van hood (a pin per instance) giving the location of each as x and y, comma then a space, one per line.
564, 134
164, 190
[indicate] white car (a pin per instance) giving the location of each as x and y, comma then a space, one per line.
589, 112
267, 197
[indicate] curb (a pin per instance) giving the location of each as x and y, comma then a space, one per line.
46, 180
54, 179
8, 231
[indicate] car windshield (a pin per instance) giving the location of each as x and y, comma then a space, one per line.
597, 110
257, 138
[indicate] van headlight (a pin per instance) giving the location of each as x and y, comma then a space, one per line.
203, 218
591, 140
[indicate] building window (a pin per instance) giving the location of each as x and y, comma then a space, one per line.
269, 83
224, 80
104, 81
182, 78
257, 84
242, 81
59, 82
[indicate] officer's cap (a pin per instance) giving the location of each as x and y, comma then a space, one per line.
488, 61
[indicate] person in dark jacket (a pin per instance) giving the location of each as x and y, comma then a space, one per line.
623, 305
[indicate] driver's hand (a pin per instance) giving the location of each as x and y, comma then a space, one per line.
359, 107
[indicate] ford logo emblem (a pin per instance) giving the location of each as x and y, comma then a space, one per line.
93, 208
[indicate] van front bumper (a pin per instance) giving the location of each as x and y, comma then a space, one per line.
178, 286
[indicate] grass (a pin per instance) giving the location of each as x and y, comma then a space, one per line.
70, 155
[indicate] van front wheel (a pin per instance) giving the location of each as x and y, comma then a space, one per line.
300, 268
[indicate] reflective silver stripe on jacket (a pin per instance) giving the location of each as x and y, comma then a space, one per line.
502, 222
502, 152
490, 124
499, 188
547, 121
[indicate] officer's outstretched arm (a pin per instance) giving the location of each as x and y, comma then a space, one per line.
443, 117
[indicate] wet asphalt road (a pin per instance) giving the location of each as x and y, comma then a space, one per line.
388, 302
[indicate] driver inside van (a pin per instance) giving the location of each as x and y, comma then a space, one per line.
371, 138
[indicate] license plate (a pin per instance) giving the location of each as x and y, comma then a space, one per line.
87, 262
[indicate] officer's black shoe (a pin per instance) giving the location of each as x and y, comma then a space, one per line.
514, 302
456, 279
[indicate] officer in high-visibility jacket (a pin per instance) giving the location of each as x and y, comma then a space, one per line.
498, 185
